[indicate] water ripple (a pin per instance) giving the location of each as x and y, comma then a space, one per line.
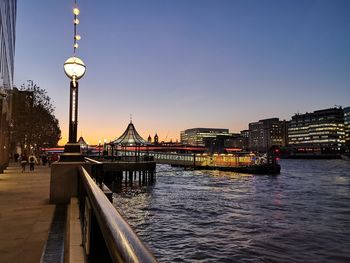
302, 215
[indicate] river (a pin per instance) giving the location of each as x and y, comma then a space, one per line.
301, 215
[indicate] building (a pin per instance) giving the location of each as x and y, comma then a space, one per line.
240, 141
156, 142
245, 133
347, 128
321, 131
201, 136
8, 9
218, 143
266, 133
84, 145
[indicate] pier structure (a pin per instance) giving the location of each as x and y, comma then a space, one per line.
123, 174
128, 166
236, 162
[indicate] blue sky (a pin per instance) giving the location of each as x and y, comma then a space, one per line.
187, 63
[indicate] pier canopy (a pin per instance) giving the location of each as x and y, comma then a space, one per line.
130, 138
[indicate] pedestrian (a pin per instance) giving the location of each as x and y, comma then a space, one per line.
32, 162
23, 161
49, 160
44, 159
16, 155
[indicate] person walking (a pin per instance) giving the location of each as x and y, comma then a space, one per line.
23, 161
32, 161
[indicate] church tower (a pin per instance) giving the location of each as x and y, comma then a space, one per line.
156, 139
149, 139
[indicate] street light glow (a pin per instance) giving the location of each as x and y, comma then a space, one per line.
76, 11
74, 68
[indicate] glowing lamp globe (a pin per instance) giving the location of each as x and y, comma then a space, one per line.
74, 68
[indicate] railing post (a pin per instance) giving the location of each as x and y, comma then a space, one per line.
98, 248
97, 173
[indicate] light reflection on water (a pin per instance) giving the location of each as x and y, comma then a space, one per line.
302, 215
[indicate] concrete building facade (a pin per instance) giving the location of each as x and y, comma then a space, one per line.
266, 133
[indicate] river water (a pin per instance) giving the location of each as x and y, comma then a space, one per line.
301, 215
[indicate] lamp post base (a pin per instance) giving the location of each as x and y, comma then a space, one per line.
71, 153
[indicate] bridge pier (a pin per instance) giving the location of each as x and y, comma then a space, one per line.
131, 177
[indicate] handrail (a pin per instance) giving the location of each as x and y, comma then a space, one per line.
96, 170
92, 160
122, 242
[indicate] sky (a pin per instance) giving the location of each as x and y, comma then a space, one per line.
180, 64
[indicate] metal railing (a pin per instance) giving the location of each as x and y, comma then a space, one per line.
107, 237
96, 170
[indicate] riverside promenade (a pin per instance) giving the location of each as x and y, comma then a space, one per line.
25, 213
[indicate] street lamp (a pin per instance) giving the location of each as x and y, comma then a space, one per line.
75, 69
104, 147
99, 149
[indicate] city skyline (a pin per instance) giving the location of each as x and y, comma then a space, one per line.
186, 64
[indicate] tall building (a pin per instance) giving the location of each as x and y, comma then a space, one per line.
347, 128
199, 136
320, 131
7, 51
8, 9
266, 133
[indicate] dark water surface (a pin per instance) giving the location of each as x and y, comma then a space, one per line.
302, 215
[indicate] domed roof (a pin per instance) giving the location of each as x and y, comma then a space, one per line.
130, 137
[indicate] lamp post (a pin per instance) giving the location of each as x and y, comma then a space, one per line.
104, 147
99, 149
75, 69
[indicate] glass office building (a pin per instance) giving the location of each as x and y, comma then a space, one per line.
320, 131
347, 127
199, 136
8, 9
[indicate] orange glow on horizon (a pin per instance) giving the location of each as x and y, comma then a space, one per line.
93, 138
93, 132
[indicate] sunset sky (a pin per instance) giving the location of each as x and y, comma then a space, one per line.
181, 64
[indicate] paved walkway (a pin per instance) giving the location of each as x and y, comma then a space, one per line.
25, 213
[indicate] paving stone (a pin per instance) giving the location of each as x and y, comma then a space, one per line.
26, 214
